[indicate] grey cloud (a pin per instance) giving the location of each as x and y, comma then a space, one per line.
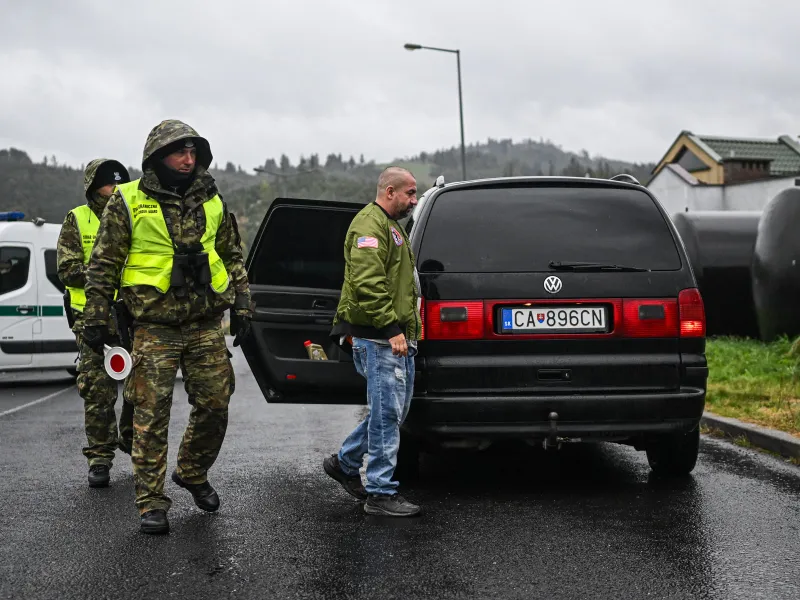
618, 78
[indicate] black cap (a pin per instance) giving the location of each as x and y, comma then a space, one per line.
110, 173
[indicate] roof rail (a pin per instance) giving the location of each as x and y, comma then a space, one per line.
626, 178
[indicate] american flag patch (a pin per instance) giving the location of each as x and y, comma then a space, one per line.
367, 242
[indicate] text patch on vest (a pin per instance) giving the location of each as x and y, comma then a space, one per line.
143, 210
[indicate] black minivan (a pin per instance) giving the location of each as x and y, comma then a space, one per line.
554, 310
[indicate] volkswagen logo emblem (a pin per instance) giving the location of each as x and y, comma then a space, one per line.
552, 284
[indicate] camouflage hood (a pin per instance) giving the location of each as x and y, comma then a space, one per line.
90, 174
172, 130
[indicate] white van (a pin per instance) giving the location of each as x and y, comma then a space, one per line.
34, 333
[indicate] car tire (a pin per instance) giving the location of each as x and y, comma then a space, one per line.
674, 455
407, 468
73, 373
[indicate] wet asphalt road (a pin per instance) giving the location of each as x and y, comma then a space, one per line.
513, 522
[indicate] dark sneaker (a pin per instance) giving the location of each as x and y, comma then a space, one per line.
205, 497
390, 506
352, 485
155, 522
98, 476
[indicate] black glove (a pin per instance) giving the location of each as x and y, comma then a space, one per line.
243, 330
95, 336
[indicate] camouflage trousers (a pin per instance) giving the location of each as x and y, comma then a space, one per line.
99, 393
158, 350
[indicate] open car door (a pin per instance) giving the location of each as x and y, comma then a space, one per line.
296, 269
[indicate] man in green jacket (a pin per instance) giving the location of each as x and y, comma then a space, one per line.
379, 312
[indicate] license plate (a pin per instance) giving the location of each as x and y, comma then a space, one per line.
545, 319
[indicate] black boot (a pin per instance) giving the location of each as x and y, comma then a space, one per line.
98, 476
155, 522
205, 497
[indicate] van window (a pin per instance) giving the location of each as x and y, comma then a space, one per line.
14, 267
51, 269
302, 247
522, 229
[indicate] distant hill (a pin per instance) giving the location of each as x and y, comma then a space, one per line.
505, 158
49, 190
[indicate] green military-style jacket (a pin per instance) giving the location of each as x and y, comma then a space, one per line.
380, 297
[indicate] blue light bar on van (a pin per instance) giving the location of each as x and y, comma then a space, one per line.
12, 216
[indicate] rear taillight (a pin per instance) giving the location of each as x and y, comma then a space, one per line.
692, 313
422, 318
649, 318
452, 320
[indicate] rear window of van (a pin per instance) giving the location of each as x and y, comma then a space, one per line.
523, 229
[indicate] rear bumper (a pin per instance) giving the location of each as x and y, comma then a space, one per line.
602, 416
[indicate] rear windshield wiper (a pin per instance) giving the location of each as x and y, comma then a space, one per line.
590, 266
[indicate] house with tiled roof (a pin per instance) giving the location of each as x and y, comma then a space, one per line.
700, 172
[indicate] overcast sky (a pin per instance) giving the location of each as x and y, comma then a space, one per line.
621, 78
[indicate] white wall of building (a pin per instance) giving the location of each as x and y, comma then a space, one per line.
754, 196
676, 194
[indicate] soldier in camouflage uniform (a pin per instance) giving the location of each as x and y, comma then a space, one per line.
98, 390
171, 241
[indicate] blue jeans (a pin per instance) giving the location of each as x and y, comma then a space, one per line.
390, 385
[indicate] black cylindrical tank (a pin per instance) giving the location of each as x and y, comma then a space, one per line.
720, 247
776, 267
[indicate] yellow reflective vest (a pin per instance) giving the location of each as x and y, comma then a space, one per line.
151, 253
88, 224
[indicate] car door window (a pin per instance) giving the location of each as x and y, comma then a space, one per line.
14, 268
302, 247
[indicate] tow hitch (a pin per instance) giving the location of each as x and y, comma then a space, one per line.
552, 441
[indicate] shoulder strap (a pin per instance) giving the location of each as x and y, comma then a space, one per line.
170, 225
199, 215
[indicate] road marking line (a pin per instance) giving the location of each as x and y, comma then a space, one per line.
39, 401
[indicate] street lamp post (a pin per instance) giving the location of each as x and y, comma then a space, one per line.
460, 100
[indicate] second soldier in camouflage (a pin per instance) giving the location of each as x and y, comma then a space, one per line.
98, 390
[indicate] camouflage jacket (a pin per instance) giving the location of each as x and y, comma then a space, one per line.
146, 303
71, 269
